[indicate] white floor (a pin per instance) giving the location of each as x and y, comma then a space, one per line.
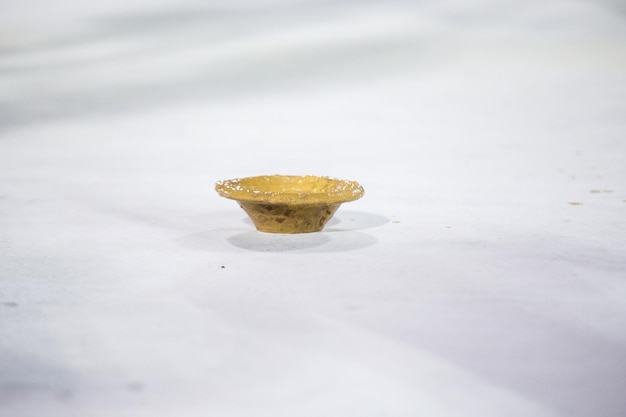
483, 274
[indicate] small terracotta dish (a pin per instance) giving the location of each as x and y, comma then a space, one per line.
288, 203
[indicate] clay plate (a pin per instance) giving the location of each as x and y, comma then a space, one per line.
289, 203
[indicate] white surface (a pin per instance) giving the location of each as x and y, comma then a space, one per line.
465, 282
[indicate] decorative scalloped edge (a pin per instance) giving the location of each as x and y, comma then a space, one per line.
290, 189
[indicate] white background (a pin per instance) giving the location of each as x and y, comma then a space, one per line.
483, 273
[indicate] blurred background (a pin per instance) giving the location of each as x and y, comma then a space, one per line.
432, 79
85, 60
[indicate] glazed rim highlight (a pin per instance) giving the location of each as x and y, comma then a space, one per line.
290, 189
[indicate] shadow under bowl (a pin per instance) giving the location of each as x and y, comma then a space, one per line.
289, 203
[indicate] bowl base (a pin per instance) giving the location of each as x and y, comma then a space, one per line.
288, 218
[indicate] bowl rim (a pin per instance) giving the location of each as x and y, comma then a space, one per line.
233, 189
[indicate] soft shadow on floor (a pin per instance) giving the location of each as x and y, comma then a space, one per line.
341, 234
346, 220
306, 242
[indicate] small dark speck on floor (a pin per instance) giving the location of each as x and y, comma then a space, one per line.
222, 267
575, 203
9, 304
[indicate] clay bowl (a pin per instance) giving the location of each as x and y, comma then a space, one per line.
287, 203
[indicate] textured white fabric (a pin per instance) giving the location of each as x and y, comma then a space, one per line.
483, 273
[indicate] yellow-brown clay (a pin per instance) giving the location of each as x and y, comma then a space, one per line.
289, 204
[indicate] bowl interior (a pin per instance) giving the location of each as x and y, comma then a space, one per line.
290, 189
